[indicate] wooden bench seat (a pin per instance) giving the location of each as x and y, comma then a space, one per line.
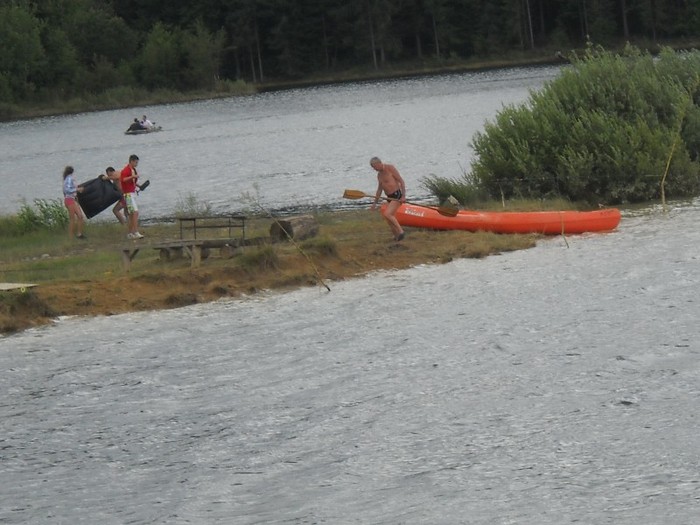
196, 249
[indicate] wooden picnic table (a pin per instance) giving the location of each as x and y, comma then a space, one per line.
218, 222
190, 244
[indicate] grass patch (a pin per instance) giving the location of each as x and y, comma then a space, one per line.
189, 205
555, 203
17, 306
181, 299
323, 246
67, 267
260, 258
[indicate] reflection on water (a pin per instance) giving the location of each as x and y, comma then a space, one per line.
288, 148
552, 385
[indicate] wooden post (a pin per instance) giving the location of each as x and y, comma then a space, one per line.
196, 254
128, 254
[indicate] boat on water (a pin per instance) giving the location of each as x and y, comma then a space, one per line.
143, 130
542, 222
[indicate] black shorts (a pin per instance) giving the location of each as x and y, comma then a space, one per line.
396, 195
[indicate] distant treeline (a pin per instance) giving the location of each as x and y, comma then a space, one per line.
59, 49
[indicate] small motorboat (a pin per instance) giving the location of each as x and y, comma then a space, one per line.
143, 131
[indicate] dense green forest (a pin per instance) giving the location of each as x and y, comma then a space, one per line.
55, 50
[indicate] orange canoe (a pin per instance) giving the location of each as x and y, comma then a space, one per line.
544, 222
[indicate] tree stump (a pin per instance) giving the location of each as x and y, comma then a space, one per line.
298, 228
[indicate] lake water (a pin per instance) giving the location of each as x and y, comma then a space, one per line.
553, 385
284, 149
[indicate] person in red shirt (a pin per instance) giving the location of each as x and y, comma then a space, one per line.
128, 178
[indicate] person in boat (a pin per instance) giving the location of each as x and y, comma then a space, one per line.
136, 126
70, 199
128, 179
392, 184
145, 123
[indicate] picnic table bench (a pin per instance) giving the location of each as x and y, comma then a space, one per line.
190, 244
218, 222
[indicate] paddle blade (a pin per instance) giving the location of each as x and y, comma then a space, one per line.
354, 194
145, 185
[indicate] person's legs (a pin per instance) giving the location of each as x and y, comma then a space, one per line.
71, 223
79, 219
133, 214
75, 218
71, 226
118, 211
134, 221
389, 214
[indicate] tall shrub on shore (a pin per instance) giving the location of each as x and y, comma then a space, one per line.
46, 214
602, 132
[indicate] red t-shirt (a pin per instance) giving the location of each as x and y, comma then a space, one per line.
128, 186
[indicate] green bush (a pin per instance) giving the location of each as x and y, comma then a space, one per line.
464, 190
46, 214
601, 132
190, 206
10, 226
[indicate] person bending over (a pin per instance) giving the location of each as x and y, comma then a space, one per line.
119, 208
392, 184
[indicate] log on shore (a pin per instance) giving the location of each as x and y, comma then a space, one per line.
298, 228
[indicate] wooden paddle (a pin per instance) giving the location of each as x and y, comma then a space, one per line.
442, 210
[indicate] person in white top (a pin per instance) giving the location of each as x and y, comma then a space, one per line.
147, 124
70, 199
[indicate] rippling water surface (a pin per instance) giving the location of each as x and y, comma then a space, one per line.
287, 148
554, 385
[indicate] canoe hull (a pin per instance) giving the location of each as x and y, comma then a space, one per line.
542, 222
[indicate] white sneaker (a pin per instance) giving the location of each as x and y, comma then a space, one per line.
130, 236
137, 235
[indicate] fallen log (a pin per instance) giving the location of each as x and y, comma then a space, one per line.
297, 228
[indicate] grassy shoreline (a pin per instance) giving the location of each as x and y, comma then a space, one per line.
86, 278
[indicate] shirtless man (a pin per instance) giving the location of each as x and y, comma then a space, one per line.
393, 186
119, 208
